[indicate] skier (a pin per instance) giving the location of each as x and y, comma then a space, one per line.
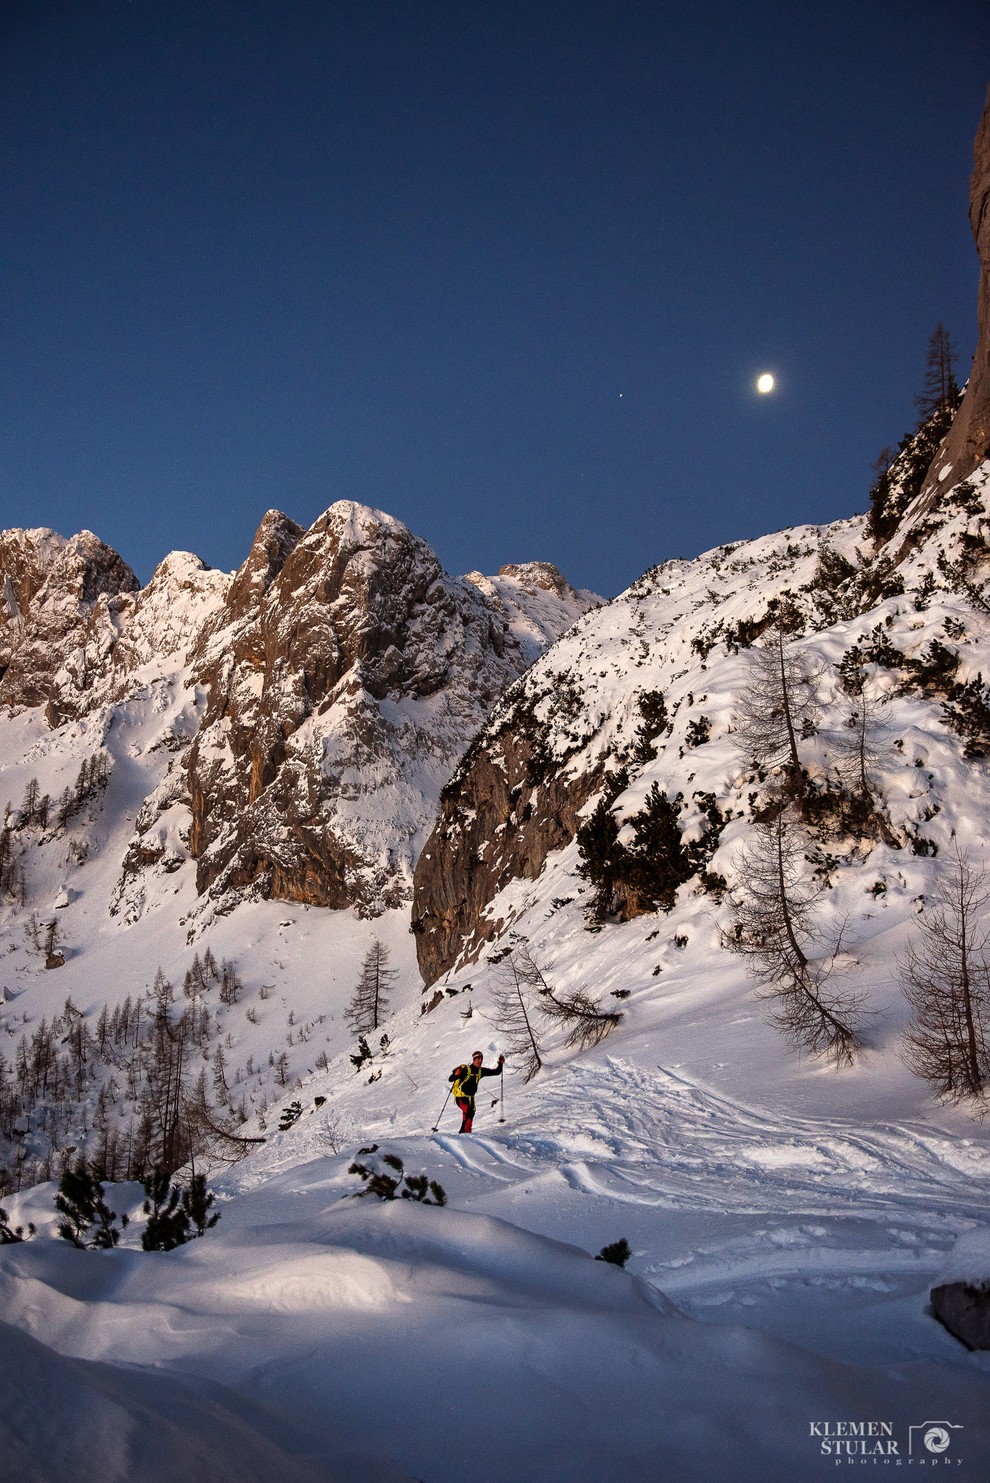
465, 1079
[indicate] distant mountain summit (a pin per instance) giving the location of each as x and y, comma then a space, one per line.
312, 703
344, 675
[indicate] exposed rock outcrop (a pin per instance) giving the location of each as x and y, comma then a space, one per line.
510, 804
344, 674
968, 440
58, 619
964, 1309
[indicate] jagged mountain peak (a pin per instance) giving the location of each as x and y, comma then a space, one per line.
274, 541
58, 616
340, 691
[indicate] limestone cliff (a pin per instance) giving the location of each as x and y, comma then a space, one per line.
344, 676
968, 440
58, 617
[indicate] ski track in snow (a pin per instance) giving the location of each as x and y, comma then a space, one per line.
828, 1203
661, 1140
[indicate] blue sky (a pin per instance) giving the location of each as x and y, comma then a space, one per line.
507, 271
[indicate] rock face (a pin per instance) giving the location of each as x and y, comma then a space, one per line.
510, 804
58, 617
968, 440
345, 674
964, 1309
310, 706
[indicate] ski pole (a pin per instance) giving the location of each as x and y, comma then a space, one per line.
442, 1110
501, 1097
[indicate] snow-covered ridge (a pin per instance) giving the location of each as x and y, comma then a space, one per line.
684, 632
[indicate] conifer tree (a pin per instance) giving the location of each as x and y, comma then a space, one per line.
941, 392
197, 1202
900, 476
586, 1022
947, 983
617, 1252
10, 1234
778, 930
510, 996
167, 1225
781, 703
369, 1006
87, 1220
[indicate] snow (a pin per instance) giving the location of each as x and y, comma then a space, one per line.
327, 1325
787, 1220
970, 1259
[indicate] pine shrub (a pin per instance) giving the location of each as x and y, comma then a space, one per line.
618, 1253
87, 1221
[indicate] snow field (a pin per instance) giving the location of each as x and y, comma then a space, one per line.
787, 1220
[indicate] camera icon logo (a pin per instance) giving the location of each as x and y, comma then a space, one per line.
933, 1437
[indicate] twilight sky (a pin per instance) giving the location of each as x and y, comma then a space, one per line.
506, 270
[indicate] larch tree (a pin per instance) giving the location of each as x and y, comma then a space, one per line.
585, 1020
369, 1005
512, 1000
781, 704
778, 929
941, 391
946, 978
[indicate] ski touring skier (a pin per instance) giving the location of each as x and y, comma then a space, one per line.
465, 1081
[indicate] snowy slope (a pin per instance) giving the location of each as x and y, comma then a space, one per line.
787, 1218
798, 1259
213, 737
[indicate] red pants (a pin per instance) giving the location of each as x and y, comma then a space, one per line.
467, 1113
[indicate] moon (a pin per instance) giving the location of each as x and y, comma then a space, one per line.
765, 383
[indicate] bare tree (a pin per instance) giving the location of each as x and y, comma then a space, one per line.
587, 1023
946, 976
863, 752
510, 993
778, 931
369, 1006
941, 392
782, 702
230, 983
523, 997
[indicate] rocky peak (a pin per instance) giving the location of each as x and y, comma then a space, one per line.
274, 542
344, 678
536, 575
26, 558
533, 596
58, 616
164, 620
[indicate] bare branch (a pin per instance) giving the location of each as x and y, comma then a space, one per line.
513, 1018
777, 930
946, 976
588, 1023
